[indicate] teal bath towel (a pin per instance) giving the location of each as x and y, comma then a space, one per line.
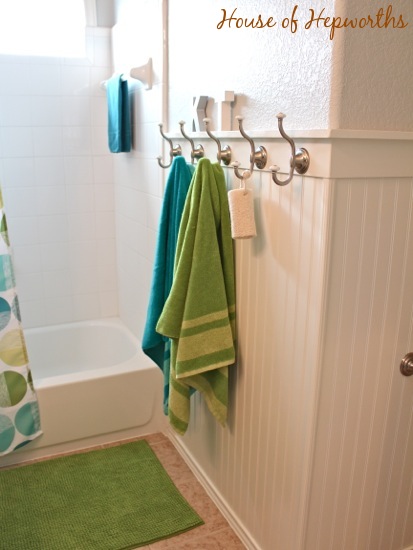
199, 314
157, 347
119, 124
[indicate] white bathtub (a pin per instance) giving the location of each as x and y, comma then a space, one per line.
94, 386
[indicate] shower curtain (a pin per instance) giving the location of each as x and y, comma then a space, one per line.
19, 412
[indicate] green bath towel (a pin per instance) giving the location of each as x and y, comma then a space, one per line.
156, 346
199, 315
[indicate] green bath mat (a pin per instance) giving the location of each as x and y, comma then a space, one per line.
110, 499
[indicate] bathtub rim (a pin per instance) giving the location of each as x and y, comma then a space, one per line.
139, 361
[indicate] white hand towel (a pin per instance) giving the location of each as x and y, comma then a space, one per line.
241, 209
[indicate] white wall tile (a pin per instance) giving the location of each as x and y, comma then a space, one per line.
78, 169
44, 79
16, 142
75, 80
58, 310
55, 256
49, 171
103, 169
50, 200
30, 286
51, 112
131, 203
154, 205
131, 234
79, 198
77, 141
45, 110
57, 283
26, 259
48, 141
109, 306
106, 252
81, 227
104, 197
15, 111
33, 313
97, 76
53, 229
105, 225
86, 306
99, 109
107, 277
76, 111
100, 140
20, 201
84, 254
84, 280
23, 230
18, 172
15, 79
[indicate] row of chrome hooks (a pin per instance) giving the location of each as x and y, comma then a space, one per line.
299, 161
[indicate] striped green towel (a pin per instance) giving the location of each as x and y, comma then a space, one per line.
199, 314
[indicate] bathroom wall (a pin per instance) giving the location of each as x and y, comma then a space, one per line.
362, 485
373, 70
359, 80
270, 70
57, 179
260, 467
137, 36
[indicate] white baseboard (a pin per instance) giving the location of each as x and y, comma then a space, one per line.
243, 534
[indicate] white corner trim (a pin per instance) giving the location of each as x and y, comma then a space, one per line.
233, 520
90, 12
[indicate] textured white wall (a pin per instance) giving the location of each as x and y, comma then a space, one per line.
362, 79
271, 69
372, 77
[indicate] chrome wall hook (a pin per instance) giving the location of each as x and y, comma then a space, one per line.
224, 153
258, 157
173, 151
299, 161
196, 152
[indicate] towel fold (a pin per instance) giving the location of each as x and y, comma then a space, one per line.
241, 207
119, 125
199, 314
157, 347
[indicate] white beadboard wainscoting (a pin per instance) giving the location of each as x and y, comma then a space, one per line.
318, 450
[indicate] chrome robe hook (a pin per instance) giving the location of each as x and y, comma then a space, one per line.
173, 151
258, 156
224, 153
300, 158
196, 152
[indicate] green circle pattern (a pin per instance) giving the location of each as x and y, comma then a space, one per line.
27, 419
7, 432
13, 388
5, 313
12, 348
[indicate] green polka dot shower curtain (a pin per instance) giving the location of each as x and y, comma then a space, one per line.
19, 412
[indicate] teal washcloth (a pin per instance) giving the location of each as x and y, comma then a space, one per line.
119, 124
154, 345
199, 315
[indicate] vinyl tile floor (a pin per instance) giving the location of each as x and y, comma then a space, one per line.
215, 534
